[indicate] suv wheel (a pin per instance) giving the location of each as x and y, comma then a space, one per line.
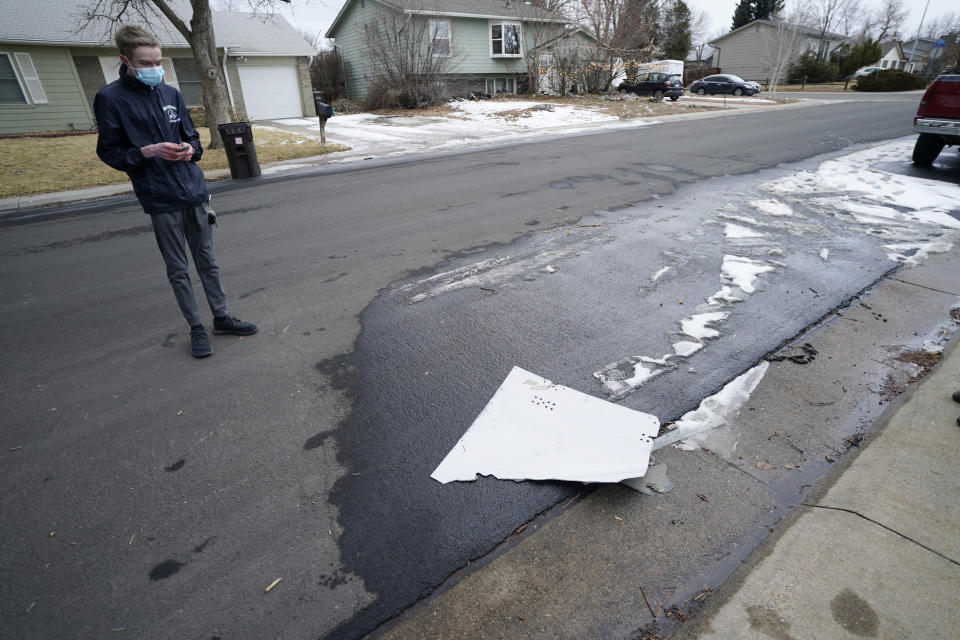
738, 91
927, 149
701, 91
658, 95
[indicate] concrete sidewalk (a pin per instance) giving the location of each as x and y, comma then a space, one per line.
878, 554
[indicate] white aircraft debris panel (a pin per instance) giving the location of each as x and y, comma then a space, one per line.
532, 429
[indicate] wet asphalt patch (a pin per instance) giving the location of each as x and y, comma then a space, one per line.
427, 361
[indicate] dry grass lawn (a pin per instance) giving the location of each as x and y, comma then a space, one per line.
42, 165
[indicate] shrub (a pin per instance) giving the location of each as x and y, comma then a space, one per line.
890, 80
406, 93
812, 70
326, 74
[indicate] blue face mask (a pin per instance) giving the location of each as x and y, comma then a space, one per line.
151, 76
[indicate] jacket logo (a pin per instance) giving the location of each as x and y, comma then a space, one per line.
172, 114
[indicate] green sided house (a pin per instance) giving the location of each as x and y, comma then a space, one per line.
491, 42
50, 71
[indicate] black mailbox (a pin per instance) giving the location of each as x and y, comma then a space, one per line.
324, 111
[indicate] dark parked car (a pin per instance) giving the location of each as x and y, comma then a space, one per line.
938, 118
723, 83
655, 83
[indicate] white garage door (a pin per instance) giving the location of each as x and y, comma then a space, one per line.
271, 92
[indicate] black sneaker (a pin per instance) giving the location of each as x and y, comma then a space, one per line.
199, 342
229, 324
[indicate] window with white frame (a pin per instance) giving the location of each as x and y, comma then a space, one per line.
440, 37
11, 91
505, 39
501, 85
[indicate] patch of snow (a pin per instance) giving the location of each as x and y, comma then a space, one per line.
932, 347
742, 219
685, 347
284, 167
735, 231
743, 272
714, 411
696, 327
656, 276
723, 297
824, 254
772, 208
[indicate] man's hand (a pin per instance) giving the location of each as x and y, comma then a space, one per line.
168, 151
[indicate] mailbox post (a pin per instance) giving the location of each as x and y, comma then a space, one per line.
324, 111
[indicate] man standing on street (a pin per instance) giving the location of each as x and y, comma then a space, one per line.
145, 130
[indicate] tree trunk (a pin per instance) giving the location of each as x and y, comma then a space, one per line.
203, 43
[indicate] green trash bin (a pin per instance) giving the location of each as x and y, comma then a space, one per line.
241, 153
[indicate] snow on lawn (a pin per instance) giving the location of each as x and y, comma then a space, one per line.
469, 123
530, 114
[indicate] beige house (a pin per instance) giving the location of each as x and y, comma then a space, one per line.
749, 51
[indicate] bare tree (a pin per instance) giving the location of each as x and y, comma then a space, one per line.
942, 25
601, 16
827, 15
699, 23
410, 54
849, 17
783, 44
199, 34
623, 24
885, 22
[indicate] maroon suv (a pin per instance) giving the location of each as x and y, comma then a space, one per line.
938, 118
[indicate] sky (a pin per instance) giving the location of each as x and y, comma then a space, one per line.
315, 16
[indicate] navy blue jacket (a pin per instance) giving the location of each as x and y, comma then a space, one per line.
131, 115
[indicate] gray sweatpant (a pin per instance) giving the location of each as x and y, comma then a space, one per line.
175, 232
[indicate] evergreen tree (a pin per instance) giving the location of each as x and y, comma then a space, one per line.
765, 9
743, 14
862, 54
676, 38
749, 10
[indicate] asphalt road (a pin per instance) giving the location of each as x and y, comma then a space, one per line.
159, 495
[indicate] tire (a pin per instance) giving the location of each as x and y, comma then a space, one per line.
701, 91
674, 98
927, 148
738, 91
658, 95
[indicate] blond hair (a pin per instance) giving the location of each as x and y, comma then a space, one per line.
128, 37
